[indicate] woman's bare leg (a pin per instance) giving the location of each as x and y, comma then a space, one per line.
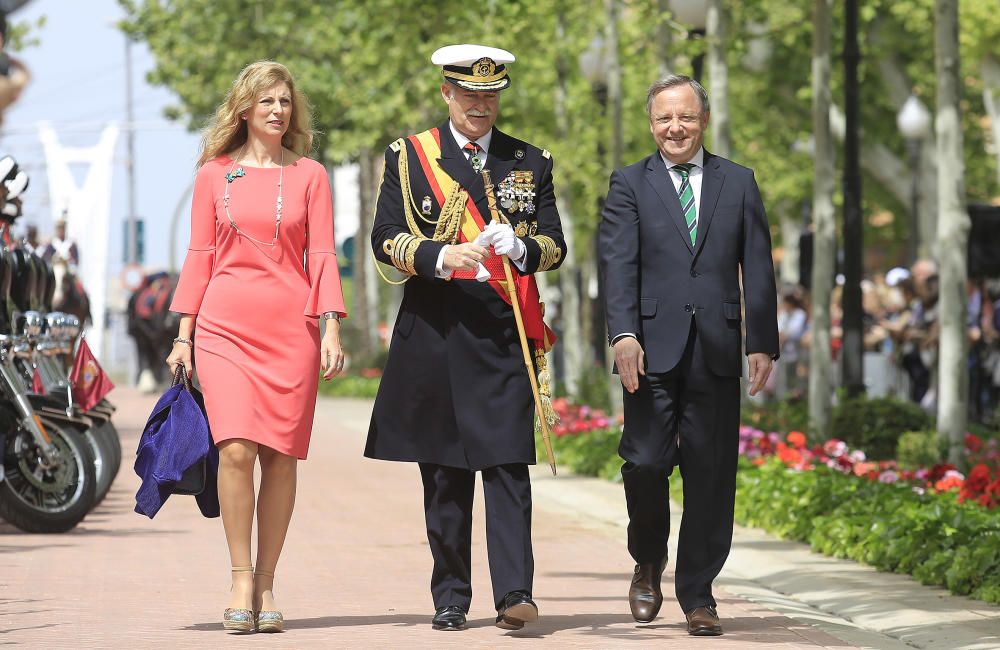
236, 502
274, 511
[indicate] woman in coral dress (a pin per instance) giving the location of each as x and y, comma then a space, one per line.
260, 271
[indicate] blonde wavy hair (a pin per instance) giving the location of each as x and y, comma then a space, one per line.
227, 131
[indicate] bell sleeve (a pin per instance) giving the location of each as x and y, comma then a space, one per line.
200, 259
325, 293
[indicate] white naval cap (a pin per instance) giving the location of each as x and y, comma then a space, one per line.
474, 67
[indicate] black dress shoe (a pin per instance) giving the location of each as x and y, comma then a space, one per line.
451, 617
516, 610
644, 595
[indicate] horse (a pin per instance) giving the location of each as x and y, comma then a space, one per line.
153, 326
69, 297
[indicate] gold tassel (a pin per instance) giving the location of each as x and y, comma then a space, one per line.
545, 389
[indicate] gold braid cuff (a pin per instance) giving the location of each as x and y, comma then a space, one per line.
402, 251
551, 253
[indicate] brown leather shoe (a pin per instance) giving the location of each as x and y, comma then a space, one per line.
644, 596
703, 621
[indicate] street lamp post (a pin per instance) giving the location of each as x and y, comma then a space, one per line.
853, 349
914, 122
693, 13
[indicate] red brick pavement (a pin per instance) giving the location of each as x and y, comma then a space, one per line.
354, 573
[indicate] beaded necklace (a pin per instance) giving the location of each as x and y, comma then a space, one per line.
231, 176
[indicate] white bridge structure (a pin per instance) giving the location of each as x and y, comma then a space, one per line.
86, 209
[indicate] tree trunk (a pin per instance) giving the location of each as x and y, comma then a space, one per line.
991, 99
953, 234
718, 78
824, 243
791, 227
574, 345
664, 39
363, 323
617, 144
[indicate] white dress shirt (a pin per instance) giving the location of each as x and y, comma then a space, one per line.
484, 144
695, 176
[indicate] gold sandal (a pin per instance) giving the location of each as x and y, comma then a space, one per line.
269, 620
238, 619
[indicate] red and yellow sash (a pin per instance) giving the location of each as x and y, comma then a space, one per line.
427, 146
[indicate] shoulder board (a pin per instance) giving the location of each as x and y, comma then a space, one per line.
395, 146
546, 154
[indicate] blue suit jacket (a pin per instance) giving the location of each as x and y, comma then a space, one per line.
175, 438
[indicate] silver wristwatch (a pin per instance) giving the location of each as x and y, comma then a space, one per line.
331, 315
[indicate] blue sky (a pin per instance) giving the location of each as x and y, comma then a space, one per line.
78, 85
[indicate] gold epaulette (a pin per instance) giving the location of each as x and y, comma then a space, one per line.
551, 253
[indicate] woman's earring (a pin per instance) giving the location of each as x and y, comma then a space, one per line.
243, 116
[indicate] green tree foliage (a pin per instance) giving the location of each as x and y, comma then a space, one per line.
365, 65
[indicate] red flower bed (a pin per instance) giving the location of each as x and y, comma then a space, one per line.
575, 419
982, 485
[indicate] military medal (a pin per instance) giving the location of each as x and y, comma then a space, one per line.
516, 192
521, 229
425, 206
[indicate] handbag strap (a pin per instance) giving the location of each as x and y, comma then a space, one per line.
181, 377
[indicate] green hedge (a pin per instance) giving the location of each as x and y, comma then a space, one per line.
349, 386
780, 415
593, 453
931, 536
875, 425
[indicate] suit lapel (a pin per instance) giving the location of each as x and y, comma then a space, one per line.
499, 161
659, 178
711, 186
454, 162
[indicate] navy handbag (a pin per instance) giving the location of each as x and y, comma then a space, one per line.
176, 454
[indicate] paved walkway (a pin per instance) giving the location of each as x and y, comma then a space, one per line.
356, 567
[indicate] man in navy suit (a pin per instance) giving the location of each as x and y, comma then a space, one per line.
682, 230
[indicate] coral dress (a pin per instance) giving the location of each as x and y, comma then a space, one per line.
257, 334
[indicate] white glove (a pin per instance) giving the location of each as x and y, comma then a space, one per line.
483, 239
504, 241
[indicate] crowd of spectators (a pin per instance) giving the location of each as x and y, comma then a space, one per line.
900, 338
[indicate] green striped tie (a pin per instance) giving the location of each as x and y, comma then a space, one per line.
688, 205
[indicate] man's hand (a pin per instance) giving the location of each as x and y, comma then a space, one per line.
760, 364
464, 256
630, 360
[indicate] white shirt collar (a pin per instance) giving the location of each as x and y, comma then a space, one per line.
483, 142
698, 160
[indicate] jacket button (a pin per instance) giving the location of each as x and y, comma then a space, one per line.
694, 273
687, 307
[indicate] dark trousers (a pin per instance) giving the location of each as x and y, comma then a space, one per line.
688, 417
448, 493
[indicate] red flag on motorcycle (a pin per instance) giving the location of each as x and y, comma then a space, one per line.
37, 386
90, 384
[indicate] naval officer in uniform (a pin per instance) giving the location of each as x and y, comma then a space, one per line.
455, 395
